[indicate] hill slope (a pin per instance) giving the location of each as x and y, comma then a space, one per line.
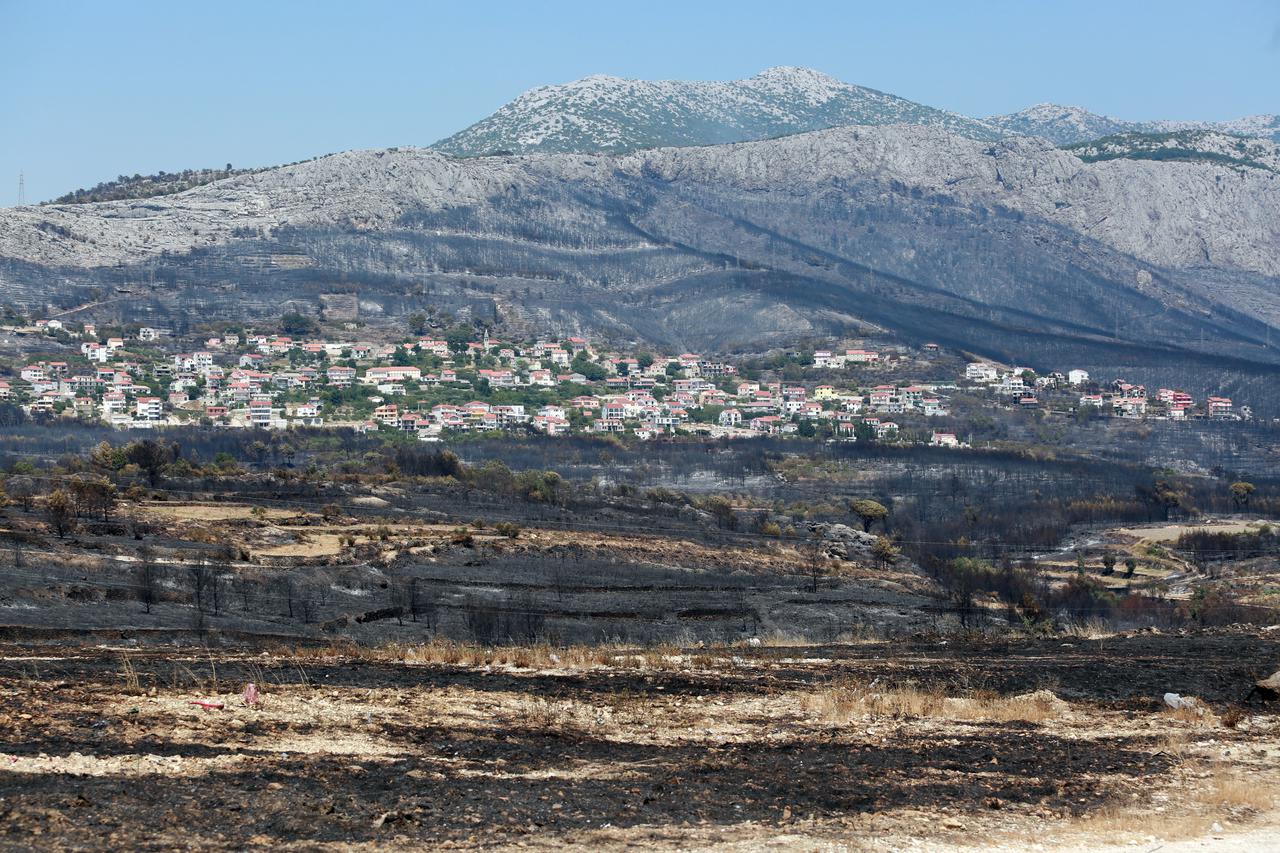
610, 114
1015, 249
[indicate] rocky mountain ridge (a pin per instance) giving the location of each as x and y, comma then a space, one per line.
1067, 125
603, 114
611, 114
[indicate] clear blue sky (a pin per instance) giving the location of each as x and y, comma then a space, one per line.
90, 90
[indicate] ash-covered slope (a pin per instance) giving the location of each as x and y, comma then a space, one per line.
1012, 248
611, 114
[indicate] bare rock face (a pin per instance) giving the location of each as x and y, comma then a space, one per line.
1169, 214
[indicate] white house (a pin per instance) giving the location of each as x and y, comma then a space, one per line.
980, 371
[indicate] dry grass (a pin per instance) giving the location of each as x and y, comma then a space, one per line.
1091, 629
308, 544
844, 701
216, 512
129, 677
665, 657
1210, 796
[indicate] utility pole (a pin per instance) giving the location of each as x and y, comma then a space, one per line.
22, 189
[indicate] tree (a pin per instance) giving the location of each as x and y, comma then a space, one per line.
151, 456
147, 581
106, 457
1162, 495
1240, 493
1108, 562
202, 581
58, 510
1130, 565
721, 510
817, 563
417, 323
294, 323
21, 489
588, 368
884, 552
95, 496
869, 511
421, 607
458, 337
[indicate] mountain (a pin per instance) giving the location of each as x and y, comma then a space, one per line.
610, 114
1015, 249
601, 114
1071, 125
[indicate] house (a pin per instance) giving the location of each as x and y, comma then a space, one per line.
340, 377
730, 418
261, 414
886, 430
550, 425
912, 395
113, 403
1078, 377
607, 425
861, 356
148, 409
767, 424
933, 407
391, 373
826, 358
944, 439
981, 372
147, 333
882, 396
1218, 407
1130, 407
438, 348
1011, 385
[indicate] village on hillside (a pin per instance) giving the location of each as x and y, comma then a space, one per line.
428, 387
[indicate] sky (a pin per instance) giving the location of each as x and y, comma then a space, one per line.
91, 90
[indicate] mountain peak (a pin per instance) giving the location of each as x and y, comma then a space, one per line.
611, 114
796, 73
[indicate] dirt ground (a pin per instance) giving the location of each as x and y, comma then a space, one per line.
934, 744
